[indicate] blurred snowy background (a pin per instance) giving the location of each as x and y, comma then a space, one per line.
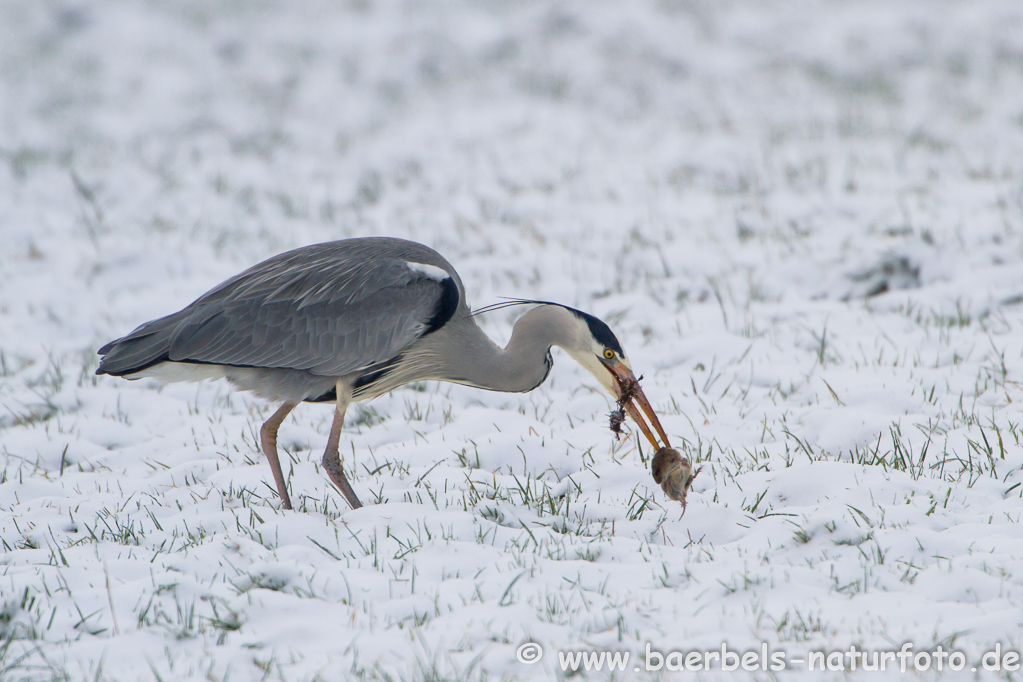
804, 220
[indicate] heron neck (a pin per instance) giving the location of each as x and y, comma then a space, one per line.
524, 363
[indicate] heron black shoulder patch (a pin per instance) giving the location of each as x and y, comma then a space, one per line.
328, 397
445, 307
364, 381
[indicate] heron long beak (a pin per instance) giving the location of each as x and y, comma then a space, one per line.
629, 395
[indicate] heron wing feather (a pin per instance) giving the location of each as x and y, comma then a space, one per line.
330, 309
329, 318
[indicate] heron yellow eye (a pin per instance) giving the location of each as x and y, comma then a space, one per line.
609, 354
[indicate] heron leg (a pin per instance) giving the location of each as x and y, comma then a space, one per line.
332, 458
268, 438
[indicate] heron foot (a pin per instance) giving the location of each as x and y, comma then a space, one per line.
332, 465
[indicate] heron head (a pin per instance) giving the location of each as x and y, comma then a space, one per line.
598, 350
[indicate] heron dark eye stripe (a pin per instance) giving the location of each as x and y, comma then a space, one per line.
601, 332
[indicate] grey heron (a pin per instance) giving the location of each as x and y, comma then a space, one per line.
351, 320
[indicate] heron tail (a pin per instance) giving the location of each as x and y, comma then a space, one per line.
148, 345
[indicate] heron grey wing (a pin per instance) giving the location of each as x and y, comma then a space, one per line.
349, 269
330, 317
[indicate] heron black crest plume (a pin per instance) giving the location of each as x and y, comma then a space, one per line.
597, 326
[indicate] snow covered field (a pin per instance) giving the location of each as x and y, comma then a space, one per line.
804, 220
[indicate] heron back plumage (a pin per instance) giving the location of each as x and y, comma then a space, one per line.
316, 313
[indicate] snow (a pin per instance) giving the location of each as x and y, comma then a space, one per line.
803, 220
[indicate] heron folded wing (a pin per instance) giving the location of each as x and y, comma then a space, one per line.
330, 309
302, 323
